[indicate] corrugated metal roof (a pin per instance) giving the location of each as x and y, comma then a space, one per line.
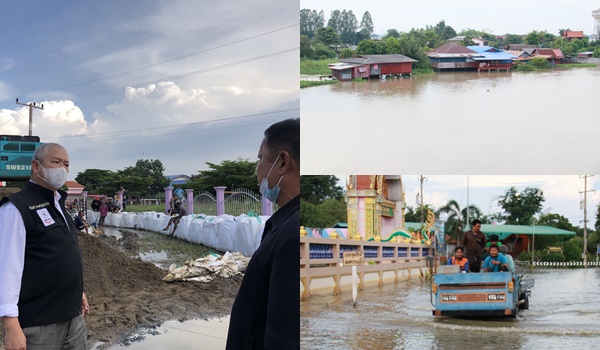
378, 59
500, 56
451, 48
504, 231
343, 65
483, 49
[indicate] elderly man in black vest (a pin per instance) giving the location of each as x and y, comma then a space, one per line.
266, 311
42, 302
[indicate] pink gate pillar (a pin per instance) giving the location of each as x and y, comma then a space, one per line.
189, 195
267, 206
168, 196
220, 199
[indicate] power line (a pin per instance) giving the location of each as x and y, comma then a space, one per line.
106, 134
167, 61
174, 77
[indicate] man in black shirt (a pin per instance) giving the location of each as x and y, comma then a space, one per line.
266, 311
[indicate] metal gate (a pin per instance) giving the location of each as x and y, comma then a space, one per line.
242, 201
205, 203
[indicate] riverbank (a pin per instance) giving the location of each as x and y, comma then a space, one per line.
128, 299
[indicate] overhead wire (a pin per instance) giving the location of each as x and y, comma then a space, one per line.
103, 136
93, 94
163, 62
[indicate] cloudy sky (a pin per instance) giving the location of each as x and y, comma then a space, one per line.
561, 192
186, 82
511, 16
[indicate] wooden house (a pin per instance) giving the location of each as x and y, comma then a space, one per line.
490, 58
552, 55
452, 56
366, 66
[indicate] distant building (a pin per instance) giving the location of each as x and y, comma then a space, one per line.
490, 58
365, 66
517, 47
176, 180
452, 56
552, 55
572, 34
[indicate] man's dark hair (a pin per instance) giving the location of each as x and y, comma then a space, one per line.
285, 136
494, 246
458, 248
475, 222
494, 238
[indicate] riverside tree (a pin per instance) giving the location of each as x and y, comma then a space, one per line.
520, 207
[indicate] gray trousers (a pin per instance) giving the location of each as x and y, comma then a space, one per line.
67, 335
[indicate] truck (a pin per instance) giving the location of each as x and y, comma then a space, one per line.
494, 294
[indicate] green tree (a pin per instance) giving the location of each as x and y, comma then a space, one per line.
317, 188
555, 220
367, 23
411, 214
363, 34
371, 47
514, 39
346, 53
348, 27
573, 248
392, 33
444, 31
154, 169
97, 181
134, 182
306, 50
323, 215
533, 38
322, 52
240, 173
392, 45
456, 222
328, 36
540, 62
520, 207
310, 21
335, 20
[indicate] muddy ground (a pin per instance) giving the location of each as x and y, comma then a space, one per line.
127, 295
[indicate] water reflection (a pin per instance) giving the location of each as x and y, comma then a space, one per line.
564, 313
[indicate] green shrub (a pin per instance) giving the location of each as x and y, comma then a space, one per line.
553, 257
540, 63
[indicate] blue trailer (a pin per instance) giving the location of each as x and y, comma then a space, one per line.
478, 294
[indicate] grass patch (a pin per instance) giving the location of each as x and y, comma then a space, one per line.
316, 67
139, 208
576, 65
307, 83
420, 71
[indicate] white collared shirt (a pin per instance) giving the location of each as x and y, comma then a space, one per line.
12, 255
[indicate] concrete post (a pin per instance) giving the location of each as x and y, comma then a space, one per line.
84, 199
168, 196
267, 206
220, 199
189, 195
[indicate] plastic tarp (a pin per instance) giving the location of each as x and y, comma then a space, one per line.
225, 233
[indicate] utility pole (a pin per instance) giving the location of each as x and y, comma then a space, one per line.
31, 106
421, 179
585, 191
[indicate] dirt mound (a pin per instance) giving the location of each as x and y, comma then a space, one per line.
126, 294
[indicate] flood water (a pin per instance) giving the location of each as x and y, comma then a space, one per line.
564, 313
454, 122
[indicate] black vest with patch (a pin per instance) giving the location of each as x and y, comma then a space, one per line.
52, 282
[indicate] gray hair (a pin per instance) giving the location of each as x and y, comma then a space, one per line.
41, 152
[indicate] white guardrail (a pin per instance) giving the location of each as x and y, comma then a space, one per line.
565, 264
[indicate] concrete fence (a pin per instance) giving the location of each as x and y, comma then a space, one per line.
323, 258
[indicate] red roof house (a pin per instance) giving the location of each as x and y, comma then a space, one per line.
572, 34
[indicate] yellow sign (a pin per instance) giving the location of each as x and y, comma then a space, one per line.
354, 258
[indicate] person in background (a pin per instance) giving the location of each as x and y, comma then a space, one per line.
42, 303
103, 212
459, 260
266, 311
80, 222
96, 204
494, 239
474, 242
180, 212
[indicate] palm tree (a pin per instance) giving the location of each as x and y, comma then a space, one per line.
456, 220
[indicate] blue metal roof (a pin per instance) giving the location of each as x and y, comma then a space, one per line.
494, 56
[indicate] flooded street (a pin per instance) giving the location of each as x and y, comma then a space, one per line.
564, 313
461, 122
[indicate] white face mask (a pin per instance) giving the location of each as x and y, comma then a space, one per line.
273, 193
55, 177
